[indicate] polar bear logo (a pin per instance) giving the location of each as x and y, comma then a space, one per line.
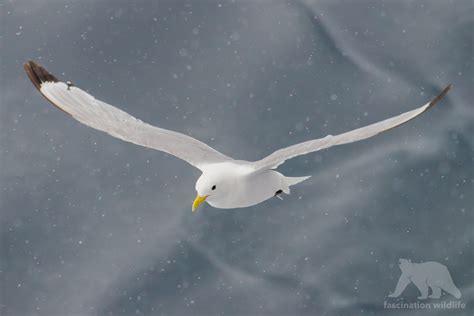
423, 275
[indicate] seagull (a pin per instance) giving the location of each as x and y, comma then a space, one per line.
225, 182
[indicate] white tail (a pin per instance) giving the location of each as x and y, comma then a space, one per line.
292, 181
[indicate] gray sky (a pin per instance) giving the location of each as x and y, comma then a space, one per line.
91, 225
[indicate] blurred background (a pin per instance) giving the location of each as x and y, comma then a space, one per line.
91, 225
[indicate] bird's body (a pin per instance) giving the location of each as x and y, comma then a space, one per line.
247, 186
225, 182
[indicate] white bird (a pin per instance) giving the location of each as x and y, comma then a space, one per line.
224, 182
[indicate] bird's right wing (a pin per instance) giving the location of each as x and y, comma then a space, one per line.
278, 157
104, 117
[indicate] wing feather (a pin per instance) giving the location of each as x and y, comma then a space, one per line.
106, 118
278, 157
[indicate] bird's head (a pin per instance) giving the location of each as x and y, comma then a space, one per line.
210, 186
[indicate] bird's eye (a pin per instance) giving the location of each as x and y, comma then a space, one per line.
213, 187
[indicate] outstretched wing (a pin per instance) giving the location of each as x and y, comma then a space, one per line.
278, 157
104, 117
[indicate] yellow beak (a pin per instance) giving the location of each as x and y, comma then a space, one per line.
198, 201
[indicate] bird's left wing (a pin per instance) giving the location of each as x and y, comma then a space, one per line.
104, 117
278, 157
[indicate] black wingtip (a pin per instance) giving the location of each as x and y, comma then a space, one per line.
440, 96
38, 74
